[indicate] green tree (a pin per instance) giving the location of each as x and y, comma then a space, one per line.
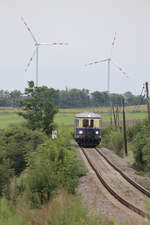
74, 98
15, 97
116, 99
100, 98
5, 98
38, 106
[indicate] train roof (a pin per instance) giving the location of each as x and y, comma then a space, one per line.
88, 115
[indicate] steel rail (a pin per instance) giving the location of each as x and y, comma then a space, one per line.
132, 182
112, 192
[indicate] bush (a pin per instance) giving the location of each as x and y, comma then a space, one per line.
16, 143
106, 135
40, 181
146, 154
113, 139
139, 142
5, 176
53, 166
117, 142
133, 130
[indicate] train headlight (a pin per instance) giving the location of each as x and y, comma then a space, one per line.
80, 131
97, 132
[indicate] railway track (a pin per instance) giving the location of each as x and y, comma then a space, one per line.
136, 185
111, 190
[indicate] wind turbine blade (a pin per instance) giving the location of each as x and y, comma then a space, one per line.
54, 43
120, 69
29, 30
30, 60
92, 63
113, 44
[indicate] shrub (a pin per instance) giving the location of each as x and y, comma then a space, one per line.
146, 153
5, 176
139, 142
116, 139
106, 134
16, 143
40, 181
51, 167
133, 130
113, 139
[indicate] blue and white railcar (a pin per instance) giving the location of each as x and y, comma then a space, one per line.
88, 129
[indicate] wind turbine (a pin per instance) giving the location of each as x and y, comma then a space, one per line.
109, 61
36, 50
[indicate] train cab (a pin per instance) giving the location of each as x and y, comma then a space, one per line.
88, 129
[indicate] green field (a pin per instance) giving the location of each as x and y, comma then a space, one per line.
68, 118
7, 119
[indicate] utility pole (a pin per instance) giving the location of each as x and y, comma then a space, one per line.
108, 74
110, 110
115, 115
124, 129
148, 104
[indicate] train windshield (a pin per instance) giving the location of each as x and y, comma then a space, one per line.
91, 123
85, 123
76, 123
88, 123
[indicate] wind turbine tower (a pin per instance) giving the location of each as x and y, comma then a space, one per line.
36, 51
109, 61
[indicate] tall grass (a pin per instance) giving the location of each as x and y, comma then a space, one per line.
8, 215
63, 209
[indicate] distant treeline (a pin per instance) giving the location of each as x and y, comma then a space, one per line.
75, 98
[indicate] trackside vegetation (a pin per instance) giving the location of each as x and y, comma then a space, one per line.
43, 192
112, 138
43, 176
138, 136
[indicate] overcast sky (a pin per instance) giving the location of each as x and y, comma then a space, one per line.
88, 26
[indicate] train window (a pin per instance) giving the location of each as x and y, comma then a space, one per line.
91, 123
85, 123
100, 123
77, 123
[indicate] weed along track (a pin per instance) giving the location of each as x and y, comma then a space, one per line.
112, 178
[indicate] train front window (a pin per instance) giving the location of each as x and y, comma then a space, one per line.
85, 123
77, 123
91, 123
